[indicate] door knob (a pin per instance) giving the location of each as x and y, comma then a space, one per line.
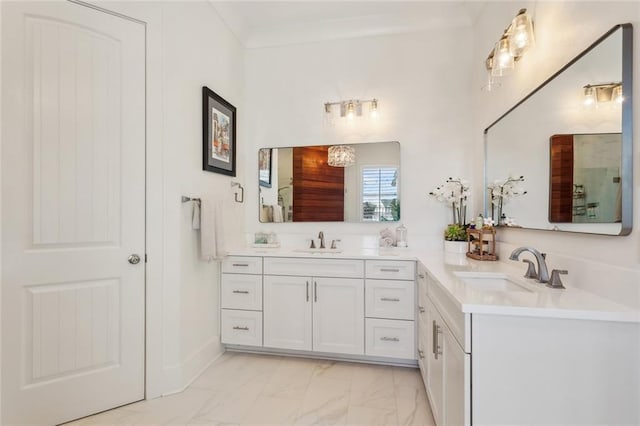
134, 259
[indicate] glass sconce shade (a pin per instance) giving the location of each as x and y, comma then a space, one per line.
492, 83
502, 60
351, 110
617, 94
589, 95
341, 156
374, 109
521, 36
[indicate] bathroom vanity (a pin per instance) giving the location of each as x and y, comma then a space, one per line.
319, 306
492, 347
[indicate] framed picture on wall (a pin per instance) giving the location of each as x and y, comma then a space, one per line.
218, 134
264, 167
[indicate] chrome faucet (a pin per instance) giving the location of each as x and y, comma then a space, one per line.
321, 236
542, 275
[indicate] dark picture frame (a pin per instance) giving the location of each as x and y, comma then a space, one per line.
264, 167
218, 134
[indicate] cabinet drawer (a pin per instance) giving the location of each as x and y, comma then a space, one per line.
338, 268
242, 265
241, 291
390, 338
390, 299
391, 269
241, 327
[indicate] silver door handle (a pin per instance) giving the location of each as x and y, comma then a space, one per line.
240, 292
389, 299
240, 264
307, 290
389, 270
389, 339
420, 275
315, 291
134, 259
241, 328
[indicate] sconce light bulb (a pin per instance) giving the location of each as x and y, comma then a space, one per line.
589, 95
351, 110
521, 36
374, 109
617, 94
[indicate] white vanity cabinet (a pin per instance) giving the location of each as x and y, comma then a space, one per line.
444, 364
241, 301
320, 311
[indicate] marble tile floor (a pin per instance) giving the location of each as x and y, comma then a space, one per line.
248, 389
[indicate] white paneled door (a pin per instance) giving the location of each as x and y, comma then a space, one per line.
73, 219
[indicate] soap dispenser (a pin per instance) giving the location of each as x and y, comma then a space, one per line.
401, 236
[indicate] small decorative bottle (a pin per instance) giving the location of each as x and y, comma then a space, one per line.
479, 221
401, 236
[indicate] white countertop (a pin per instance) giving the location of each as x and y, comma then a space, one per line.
541, 301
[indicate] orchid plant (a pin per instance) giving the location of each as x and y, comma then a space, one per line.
500, 191
455, 192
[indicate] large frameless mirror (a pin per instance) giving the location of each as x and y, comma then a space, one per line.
561, 159
330, 183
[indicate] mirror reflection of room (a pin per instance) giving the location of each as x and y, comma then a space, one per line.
330, 183
585, 178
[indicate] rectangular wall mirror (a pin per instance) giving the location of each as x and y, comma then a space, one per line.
330, 183
571, 140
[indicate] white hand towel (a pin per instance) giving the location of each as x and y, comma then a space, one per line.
211, 230
277, 213
195, 218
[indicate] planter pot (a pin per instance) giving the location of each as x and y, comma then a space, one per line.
459, 247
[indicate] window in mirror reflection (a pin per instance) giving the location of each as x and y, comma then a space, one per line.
380, 194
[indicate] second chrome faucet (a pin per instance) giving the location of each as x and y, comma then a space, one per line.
542, 273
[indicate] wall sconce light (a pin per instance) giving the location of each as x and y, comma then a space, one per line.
600, 93
353, 108
514, 42
341, 156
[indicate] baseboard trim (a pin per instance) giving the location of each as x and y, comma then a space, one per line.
181, 376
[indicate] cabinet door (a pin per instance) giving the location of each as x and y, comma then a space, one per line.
338, 315
287, 312
434, 361
457, 381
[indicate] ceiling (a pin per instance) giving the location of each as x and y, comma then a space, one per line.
273, 23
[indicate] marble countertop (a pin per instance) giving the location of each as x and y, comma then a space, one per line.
540, 301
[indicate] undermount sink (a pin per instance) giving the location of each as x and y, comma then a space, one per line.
490, 281
318, 250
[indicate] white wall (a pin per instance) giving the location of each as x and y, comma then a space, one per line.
604, 264
188, 46
198, 50
423, 83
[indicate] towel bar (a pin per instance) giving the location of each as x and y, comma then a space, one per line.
186, 199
